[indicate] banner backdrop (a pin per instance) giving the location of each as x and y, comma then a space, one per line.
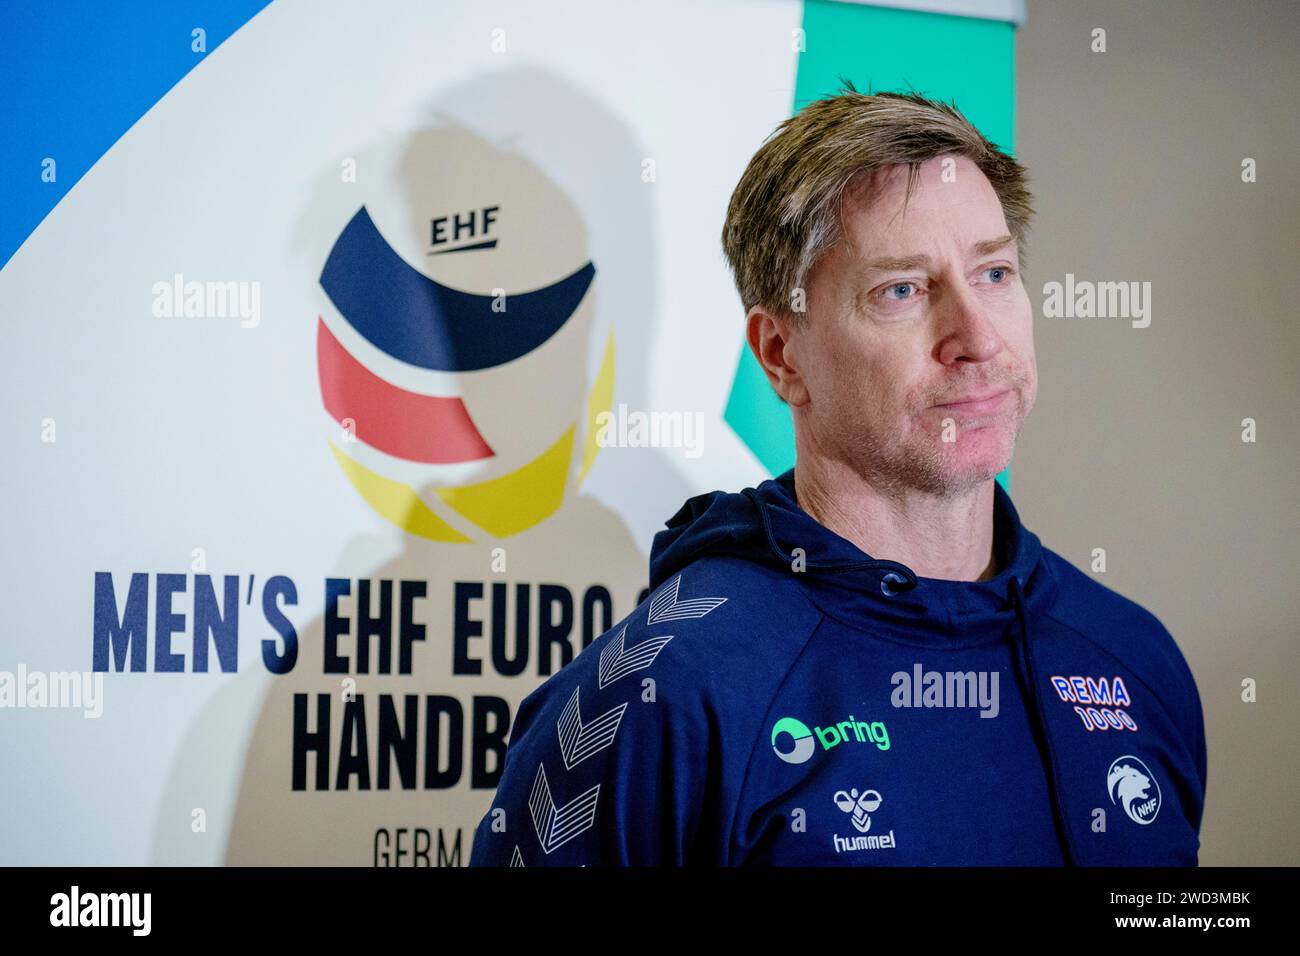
348, 387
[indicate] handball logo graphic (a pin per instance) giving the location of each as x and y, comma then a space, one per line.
859, 806
797, 731
1130, 784
452, 344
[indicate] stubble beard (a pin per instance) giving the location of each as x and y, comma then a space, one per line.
921, 461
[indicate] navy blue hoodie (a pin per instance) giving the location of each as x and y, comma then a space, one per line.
782, 698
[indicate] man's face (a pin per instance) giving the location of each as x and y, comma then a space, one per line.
913, 317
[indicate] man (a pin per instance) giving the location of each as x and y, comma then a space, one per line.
868, 660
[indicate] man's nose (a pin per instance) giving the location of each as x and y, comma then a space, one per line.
968, 331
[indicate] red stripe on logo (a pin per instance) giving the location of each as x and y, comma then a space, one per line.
407, 425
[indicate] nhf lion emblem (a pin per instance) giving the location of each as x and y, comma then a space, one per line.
1130, 784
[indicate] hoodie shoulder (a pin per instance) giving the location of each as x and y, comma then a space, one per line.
764, 603
722, 632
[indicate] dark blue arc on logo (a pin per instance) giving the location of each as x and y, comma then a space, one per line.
405, 313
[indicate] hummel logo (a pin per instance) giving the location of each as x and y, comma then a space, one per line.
578, 742
665, 607
615, 662
558, 825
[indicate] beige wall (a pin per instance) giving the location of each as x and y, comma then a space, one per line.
1135, 444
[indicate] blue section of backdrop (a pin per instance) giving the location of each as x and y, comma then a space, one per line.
76, 76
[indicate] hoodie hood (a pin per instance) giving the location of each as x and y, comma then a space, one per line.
765, 525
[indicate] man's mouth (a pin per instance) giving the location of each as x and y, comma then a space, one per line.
977, 404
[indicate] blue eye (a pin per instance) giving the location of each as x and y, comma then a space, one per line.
1001, 273
899, 285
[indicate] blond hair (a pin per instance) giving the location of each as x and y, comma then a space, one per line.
786, 212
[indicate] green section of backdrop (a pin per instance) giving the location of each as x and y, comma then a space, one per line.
966, 60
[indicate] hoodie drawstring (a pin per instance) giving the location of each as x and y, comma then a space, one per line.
1025, 653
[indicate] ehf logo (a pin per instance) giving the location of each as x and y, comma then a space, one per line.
449, 417
1134, 787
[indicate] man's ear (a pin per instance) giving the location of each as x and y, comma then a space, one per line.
773, 340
